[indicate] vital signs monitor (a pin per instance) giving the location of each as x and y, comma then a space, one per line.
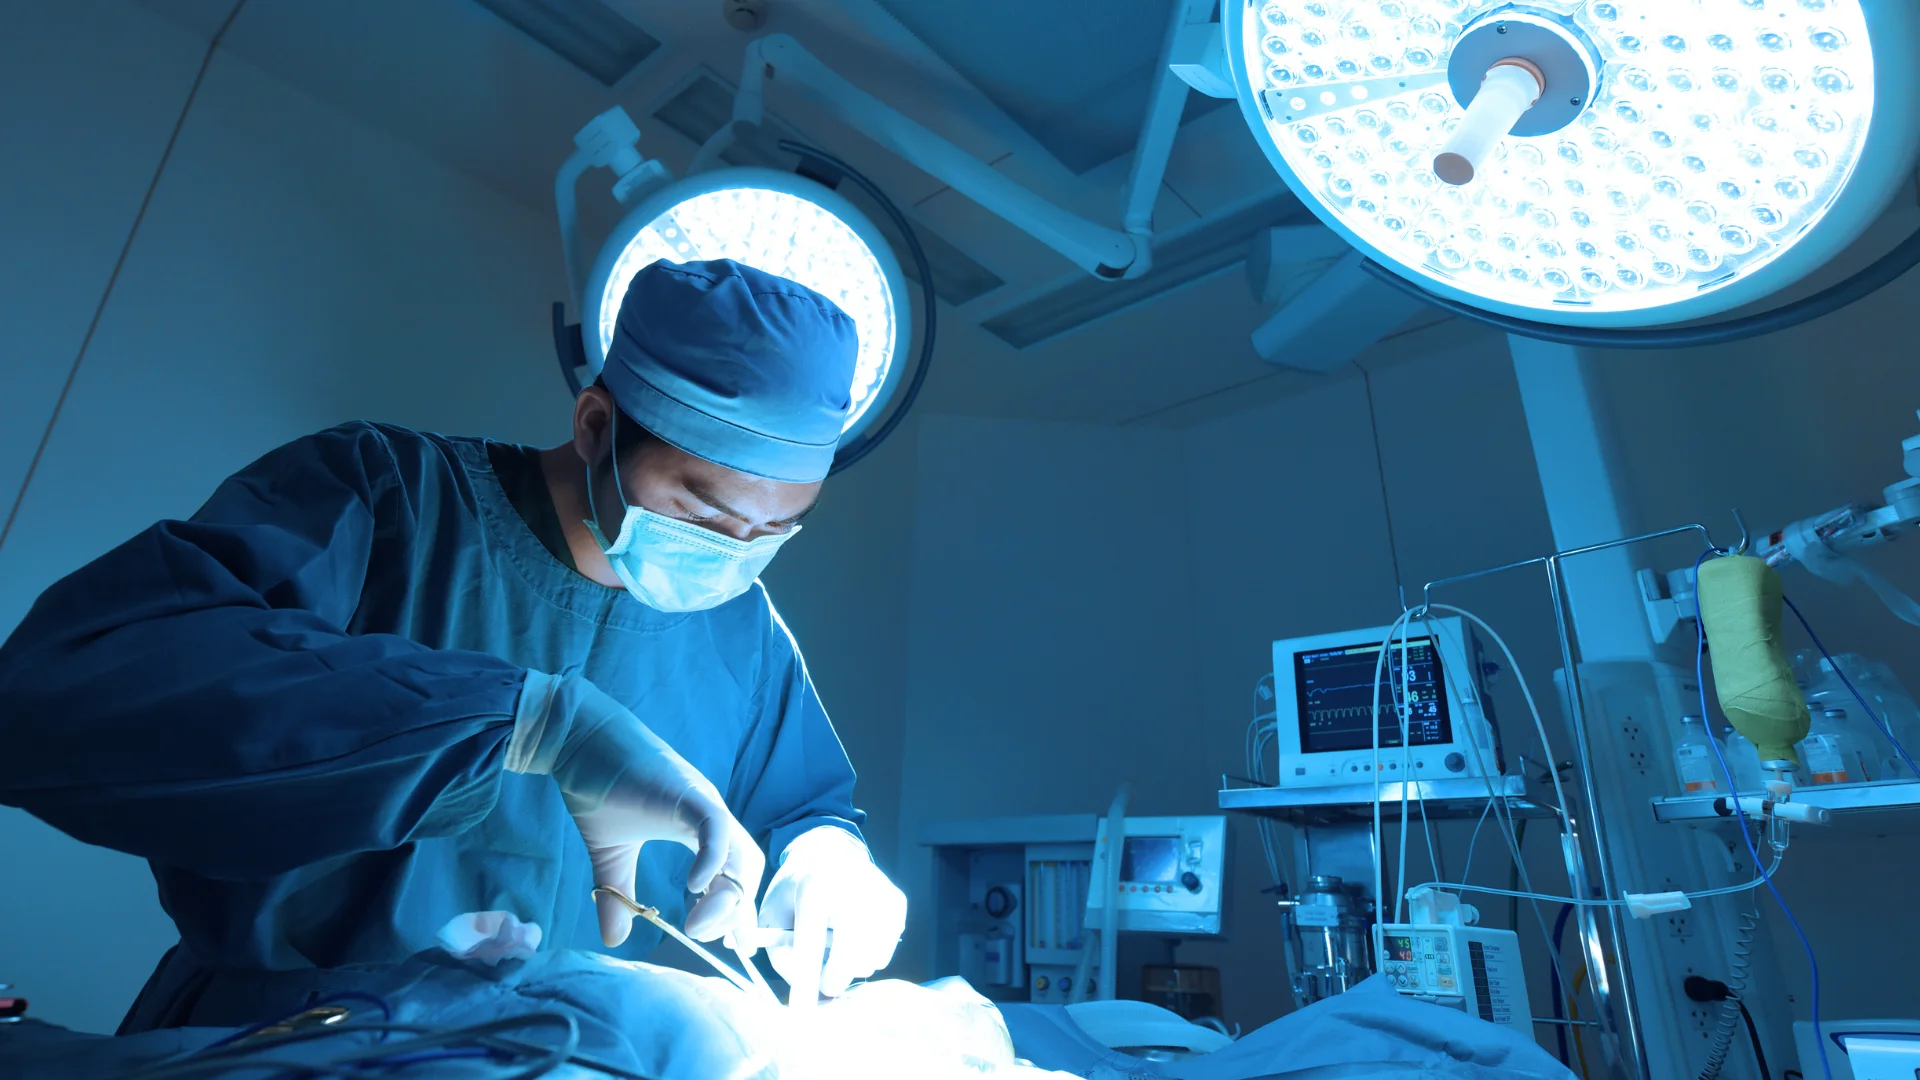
1324, 694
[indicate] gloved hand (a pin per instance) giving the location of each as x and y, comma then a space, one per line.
827, 881
625, 787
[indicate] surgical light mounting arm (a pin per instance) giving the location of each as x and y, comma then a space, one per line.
1821, 543
610, 140
1101, 251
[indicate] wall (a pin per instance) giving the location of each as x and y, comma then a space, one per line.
295, 269
1092, 604
1048, 656
843, 587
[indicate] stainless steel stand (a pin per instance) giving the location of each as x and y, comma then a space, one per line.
1335, 823
1605, 945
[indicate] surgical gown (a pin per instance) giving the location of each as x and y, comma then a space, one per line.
296, 704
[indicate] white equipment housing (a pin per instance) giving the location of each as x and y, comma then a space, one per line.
1324, 693
1475, 969
1172, 874
1861, 1049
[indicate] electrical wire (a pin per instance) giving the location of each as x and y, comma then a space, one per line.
113, 277
1573, 1013
1526, 692
1753, 1036
1403, 705
1559, 1007
1402, 708
1765, 878
849, 455
1592, 902
1746, 835
1381, 667
1466, 874
1379, 844
1869, 279
1495, 798
1513, 831
1834, 665
1572, 1007
253, 1054
1260, 731
1739, 964
1433, 854
1513, 874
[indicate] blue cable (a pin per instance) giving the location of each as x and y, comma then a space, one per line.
419, 1057
1700, 682
1871, 715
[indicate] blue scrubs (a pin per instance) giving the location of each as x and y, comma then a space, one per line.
296, 705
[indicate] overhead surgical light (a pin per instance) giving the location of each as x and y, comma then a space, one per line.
1598, 163
778, 222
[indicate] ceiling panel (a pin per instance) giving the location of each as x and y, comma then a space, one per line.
585, 33
1075, 73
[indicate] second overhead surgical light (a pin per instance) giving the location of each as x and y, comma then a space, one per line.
774, 221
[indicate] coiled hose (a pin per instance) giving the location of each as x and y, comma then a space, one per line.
1738, 965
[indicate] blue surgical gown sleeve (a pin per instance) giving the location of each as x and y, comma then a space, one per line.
193, 696
793, 775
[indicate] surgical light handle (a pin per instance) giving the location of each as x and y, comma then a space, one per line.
1101, 251
1510, 88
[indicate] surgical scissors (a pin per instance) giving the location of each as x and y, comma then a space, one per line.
757, 985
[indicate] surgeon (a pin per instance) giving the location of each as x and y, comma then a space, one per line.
384, 679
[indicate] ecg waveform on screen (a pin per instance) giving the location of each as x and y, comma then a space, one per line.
1349, 712
1339, 689
1329, 713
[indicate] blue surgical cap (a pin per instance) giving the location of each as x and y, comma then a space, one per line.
735, 365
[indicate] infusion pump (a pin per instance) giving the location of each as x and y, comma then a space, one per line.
1475, 969
1325, 692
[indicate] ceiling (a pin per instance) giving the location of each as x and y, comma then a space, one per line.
1075, 73
1051, 93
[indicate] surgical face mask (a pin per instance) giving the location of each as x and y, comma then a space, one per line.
672, 565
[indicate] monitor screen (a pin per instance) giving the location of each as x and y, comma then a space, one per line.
1151, 859
1333, 694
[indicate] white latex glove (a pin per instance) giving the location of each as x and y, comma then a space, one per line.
827, 881
489, 937
624, 788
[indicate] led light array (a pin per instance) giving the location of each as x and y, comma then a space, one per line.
1718, 131
779, 233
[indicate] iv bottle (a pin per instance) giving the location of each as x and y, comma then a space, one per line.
1821, 679
1863, 761
1830, 752
1888, 700
1744, 759
1694, 759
